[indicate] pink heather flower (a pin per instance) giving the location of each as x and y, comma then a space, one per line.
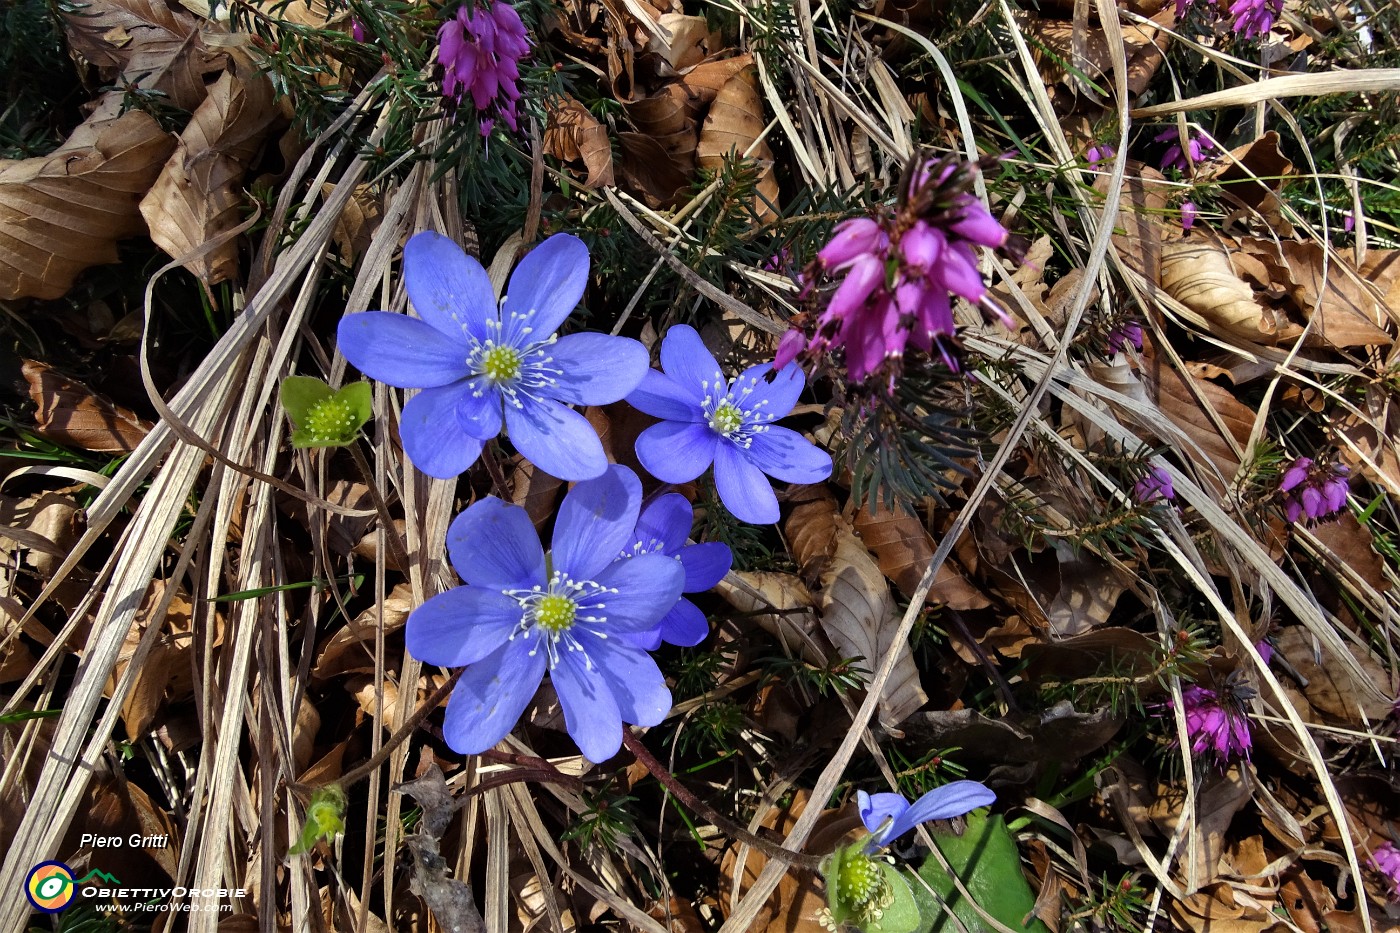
357, 30
1254, 17
899, 273
1175, 157
1181, 7
1188, 215
1313, 490
1349, 222
1266, 650
793, 343
1386, 860
480, 51
1156, 486
1213, 725
1098, 154
1128, 333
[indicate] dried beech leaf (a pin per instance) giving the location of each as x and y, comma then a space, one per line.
198, 195
166, 671
691, 40
64, 212
1329, 685
904, 549
1176, 396
1345, 313
858, 611
1198, 273
148, 43
71, 414
756, 591
351, 649
1145, 197
648, 169
1255, 177
705, 80
574, 133
734, 122
534, 490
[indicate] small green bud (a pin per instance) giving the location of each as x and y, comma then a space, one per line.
325, 818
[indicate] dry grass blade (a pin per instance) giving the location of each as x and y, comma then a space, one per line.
1361, 81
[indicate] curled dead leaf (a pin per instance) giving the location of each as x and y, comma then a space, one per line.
574, 133
733, 126
64, 212
198, 195
1197, 272
71, 414
904, 549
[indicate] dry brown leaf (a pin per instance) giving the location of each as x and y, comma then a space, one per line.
71, 414
858, 612
1220, 908
904, 549
147, 43
705, 80
757, 591
1177, 400
1346, 313
355, 227
64, 212
167, 673
1376, 435
648, 170
1197, 272
534, 490
671, 118
351, 649
197, 197
1145, 197
118, 807
691, 40
734, 122
574, 133
1328, 684
1082, 53
1253, 179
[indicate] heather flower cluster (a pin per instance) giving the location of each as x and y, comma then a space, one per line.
1198, 146
1215, 723
1386, 860
480, 49
1313, 490
1156, 486
897, 272
1125, 335
1254, 17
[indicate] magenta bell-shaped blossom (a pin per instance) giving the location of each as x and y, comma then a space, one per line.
1156, 486
1313, 491
1254, 17
1198, 145
1386, 860
480, 51
1215, 725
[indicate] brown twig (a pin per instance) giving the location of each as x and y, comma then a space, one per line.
726, 825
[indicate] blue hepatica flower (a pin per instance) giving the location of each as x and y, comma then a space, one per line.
708, 419
481, 364
662, 529
524, 612
889, 816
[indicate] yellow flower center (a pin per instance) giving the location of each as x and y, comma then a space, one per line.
555, 613
726, 418
501, 364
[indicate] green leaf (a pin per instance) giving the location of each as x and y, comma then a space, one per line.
299, 393
325, 817
986, 860
902, 915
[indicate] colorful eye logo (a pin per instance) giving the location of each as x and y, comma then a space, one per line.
50, 887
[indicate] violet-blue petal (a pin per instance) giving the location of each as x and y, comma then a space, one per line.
401, 350
636, 683
449, 289
647, 586
876, 809
687, 360
597, 369
461, 626
676, 452
548, 283
494, 544
479, 415
684, 625
944, 803
661, 396
667, 520
433, 438
705, 565
590, 710
743, 488
595, 522
777, 391
786, 455
556, 439
489, 698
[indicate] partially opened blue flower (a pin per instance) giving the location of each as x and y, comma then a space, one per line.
662, 529
708, 419
481, 365
889, 816
524, 612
